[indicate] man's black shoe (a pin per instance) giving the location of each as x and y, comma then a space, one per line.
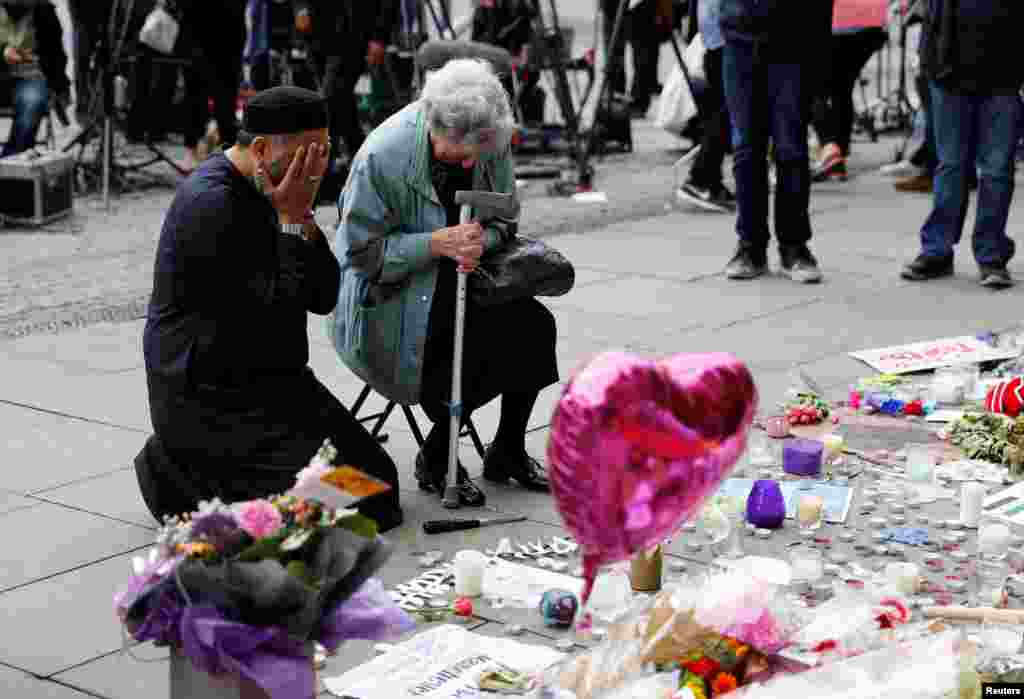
746, 265
719, 200
925, 267
469, 494
995, 277
797, 263
499, 467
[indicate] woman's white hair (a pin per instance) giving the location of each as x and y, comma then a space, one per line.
467, 104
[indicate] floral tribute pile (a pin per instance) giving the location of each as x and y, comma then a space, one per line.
246, 589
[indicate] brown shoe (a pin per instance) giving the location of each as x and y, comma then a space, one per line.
920, 184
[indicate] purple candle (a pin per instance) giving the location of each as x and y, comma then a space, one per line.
766, 508
802, 457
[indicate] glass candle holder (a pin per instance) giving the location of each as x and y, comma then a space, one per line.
777, 426
810, 512
766, 507
920, 463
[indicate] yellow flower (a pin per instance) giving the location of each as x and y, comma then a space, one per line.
698, 689
199, 548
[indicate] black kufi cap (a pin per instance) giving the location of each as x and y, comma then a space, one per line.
285, 110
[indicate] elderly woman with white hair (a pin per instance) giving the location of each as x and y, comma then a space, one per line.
400, 245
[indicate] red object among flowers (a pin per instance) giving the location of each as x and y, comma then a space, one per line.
914, 407
825, 646
705, 667
463, 607
723, 684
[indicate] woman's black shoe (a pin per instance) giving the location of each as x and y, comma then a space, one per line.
499, 467
469, 494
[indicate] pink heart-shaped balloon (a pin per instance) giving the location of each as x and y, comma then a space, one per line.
637, 446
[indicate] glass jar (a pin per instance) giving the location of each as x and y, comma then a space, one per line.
766, 507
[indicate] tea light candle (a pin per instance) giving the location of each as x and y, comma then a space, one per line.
923, 520
954, 524
839, 557
879, 550
469, 573
956, 585
822, 591
869, 493
934, 562
951, 538
939, 524
994, 539
898, 519
971, 497
777, 426
879, 537
878, 522
914, 505
896, 507
897, 551
959, 537
764, 533
832, 569
847, 537
959, 556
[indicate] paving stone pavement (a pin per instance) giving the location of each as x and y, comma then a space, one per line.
73, 403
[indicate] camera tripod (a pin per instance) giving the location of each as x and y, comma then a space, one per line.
106, 111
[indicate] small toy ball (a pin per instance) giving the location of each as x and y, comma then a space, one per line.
558, 607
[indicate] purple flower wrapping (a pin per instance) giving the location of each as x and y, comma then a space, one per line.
369, 614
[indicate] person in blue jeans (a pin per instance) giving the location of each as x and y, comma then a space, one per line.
33, 66
770, 73
967, 54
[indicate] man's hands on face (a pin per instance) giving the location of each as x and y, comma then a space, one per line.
463, 243
293, 198
375, 53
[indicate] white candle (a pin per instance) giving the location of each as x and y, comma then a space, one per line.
807, 567
469, 573
971, 497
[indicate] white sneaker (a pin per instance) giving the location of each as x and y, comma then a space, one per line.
903, 168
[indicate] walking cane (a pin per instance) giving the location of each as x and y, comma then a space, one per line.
487, 205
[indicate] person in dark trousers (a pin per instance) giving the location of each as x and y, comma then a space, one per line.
975, 108
240, 263
852, 48
644, 27
772, 48
89, 21
346, 37
704, 187
32, 69
215, 34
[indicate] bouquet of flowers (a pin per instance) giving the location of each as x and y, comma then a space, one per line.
247, 588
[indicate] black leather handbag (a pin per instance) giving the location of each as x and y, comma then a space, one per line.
522, 268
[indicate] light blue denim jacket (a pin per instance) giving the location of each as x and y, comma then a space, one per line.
389, 210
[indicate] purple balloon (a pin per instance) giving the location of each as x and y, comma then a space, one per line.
637, 446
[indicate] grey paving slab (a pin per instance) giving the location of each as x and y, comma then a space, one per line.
105, 347
115, 398
64, 621
120, 676
680, 255
20, 685
45, 450
58, 539
115, 495
11, 502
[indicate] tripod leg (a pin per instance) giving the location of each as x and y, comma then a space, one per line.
107, 157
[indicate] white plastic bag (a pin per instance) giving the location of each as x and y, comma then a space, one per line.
160, 31
694, 59
676, 105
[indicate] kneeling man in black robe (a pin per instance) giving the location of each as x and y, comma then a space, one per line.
235, 408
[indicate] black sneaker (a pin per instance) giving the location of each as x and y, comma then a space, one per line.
745, 264
995, 277
925, 267
469, 494
799, 264
500, 467
703, 198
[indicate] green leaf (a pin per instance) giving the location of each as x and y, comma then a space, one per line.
358, 524
298, 569
262, 550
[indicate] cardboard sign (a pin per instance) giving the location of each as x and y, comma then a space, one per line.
860, 14
921, 356
340, 488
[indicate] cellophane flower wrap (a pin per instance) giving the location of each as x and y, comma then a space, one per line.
246, 589
637, 446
